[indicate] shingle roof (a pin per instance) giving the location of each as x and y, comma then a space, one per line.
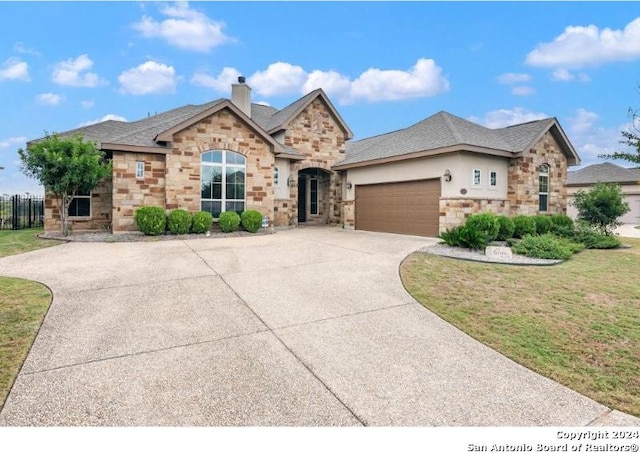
603, 172
443, 130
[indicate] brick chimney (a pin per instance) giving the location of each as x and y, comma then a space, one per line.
241, 96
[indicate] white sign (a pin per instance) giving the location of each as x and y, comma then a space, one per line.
265, 222
502, 253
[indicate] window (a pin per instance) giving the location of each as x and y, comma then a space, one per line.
276, 176
80, 205
139, 170
493, 178
476, 177
543, 189
313, 195
222, 182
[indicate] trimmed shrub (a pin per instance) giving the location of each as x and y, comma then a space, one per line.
546, 246
562, 220
507, 227
464, 237
229, 221
251, 220
201, 222
151, 220
592, 239
485, 223
524, 225
601, 206
543, 224
562, 225
179, 221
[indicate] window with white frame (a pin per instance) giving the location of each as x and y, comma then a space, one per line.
222, 179
476, 178
493, 179
276, 176
139, 170
80, 205
543, 188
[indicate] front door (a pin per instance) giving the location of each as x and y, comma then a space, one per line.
302, 199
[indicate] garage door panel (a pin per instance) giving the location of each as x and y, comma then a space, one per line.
400, 207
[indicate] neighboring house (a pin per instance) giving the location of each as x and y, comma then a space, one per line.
432, 175
627, 178
296, 165
219, 156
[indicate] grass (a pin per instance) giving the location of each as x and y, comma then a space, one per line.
16, 242
23, 305
577, 323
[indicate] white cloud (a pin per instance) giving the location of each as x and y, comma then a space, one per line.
522, 90
108, 117
49, 99
278, 78
75, 72
510, 78
425, 79
14, 69
19, 47
12, 142
504, 117
88, 103
222, 82
185, 28
580, 46
149, 78
564, 75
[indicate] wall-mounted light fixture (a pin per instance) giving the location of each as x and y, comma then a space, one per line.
291, 182
349, 185
447, 176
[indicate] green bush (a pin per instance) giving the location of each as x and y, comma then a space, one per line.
601, 206
179, 221
507, 227
464, 237
592, 239
485, 223
201, 222
546, 246
151, 220
543, 224
251, 220
229, 221
562, 226
524, 225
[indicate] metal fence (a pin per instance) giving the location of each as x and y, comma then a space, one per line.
21, 212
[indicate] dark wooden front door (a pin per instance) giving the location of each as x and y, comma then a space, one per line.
302, 200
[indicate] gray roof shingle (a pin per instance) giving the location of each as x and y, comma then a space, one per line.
603, 172
440, 131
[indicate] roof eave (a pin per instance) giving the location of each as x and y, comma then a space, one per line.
284, 155
134, 148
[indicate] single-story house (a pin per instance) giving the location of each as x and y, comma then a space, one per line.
297, 165
627, 178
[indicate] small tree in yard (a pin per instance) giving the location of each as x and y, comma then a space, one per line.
601, 206
66, 167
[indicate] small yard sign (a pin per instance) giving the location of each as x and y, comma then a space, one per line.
502, 253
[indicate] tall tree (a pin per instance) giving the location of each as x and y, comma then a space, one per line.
631, 138
601, 206
66, 167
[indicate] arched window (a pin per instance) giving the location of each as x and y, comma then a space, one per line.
543, 188
222, 178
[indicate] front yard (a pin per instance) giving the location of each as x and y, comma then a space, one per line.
577, 323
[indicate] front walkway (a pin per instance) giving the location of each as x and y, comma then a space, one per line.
302, 327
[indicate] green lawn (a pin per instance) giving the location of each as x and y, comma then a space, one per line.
577, 323
16, 242
23, 305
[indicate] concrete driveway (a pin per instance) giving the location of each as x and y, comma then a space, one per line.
304, 327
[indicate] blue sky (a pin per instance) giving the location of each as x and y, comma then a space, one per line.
385, 65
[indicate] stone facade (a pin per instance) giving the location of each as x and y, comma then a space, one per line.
523, 178
455, 211
99, 220
316, 134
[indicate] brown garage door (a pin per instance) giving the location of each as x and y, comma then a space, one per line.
399, 207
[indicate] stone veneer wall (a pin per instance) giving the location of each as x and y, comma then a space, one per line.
221, 131
129, 193
523, 178
349, 208
100, 212
455, 211
316, 134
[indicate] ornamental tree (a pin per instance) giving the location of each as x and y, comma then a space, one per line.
630, 138
65, 166
601, 206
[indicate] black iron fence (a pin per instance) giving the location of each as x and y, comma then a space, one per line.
21, 212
